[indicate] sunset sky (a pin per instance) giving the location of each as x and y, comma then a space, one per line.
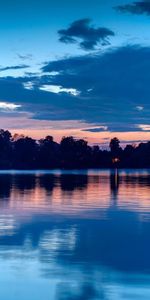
72, 67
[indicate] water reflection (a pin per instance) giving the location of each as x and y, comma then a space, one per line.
5, 187
81, 236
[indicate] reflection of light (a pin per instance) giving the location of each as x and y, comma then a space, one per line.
116, 178
7, 225
58, 239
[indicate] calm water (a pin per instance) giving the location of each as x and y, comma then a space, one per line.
75, 236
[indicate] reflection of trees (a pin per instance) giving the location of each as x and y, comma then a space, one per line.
5, 186
68, 182
140, 180
73, 182
47, 182
24, 182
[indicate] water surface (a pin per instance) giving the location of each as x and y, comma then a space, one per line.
75, 235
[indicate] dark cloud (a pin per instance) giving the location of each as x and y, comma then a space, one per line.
85, 34
114, 127
111, 86
142, 7
100, 129
25, 57
114, 79
18, 67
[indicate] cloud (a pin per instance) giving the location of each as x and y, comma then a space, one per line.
28, 85
139, 108
87, 36
113, 88
5, 106
13, 68
144, 127
111, 85
25, 57
137, 7
59, 89
96, 129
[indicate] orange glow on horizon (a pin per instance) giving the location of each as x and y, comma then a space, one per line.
92, 137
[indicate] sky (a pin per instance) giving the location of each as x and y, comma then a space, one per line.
73, 67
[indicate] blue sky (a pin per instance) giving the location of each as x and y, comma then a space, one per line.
75, 67
30, 27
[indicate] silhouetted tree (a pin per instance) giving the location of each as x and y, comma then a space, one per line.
74, 153
116, 151
115, 147
25, 153
48, 154
5, 149
128, 156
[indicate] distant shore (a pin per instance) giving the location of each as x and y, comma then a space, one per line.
25, 153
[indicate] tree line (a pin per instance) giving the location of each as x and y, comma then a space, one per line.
22, 152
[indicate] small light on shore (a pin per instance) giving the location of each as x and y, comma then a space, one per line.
115, 160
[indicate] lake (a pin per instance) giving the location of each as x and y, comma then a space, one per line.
75, 235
